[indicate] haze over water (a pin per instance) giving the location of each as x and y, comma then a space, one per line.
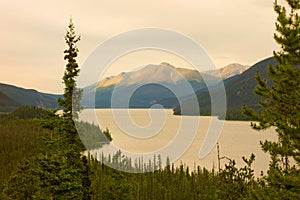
237, 139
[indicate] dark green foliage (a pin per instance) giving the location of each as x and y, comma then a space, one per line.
48, 173
70, 175
235, 114
19, 139
54, 172
238, 182
72, 95
29, 112
58, 171
22, 183
85, 177
61, 166
281, 106
173, 182
71, 107
281, 102
107, 134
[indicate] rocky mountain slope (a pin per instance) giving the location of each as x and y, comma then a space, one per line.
152, 84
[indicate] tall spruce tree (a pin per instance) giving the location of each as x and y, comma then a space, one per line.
281, 103
72, 95
59, 171
71, 108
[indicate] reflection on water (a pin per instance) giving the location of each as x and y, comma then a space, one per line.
237, 138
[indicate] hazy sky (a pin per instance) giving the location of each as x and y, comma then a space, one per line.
32, 32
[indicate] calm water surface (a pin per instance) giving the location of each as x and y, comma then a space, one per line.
237, 138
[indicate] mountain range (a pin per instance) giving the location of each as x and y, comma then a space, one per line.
153, 84
161, 84
162, 73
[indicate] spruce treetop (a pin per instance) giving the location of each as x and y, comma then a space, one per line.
72, 95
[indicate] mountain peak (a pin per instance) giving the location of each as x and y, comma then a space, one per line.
165, 72
166, 64
228, 71
232, 70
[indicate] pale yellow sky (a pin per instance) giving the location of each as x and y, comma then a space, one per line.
32, 32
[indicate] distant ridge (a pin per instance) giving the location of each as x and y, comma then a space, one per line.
13, 97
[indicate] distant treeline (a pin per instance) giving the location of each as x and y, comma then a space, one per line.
231, 114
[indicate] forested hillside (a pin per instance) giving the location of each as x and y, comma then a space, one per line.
239, 91
13, 97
